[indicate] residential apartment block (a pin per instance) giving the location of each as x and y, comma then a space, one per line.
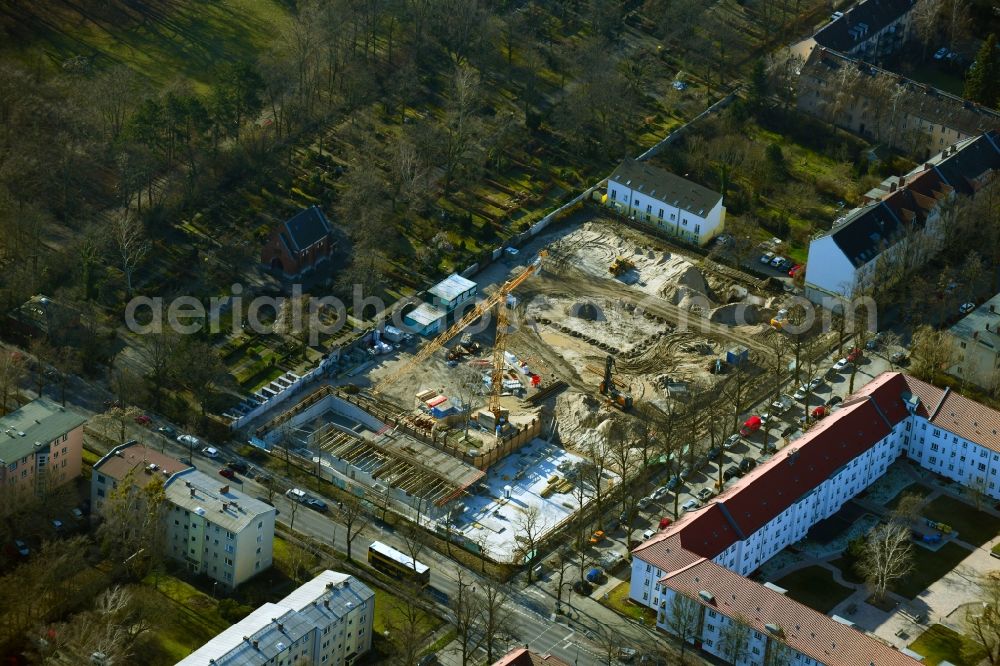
212, 528
899, 226
217, 530
325, 622
665, 201
975, 343
41, 447
869, 30
707, 553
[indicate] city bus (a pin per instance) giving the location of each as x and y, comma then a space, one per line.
390, 561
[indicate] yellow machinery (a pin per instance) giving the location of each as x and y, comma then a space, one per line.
498, 300
620, 266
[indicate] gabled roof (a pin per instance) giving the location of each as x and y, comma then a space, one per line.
861, 22
664, 186
965, 167
781, 618
307, 227
867, 231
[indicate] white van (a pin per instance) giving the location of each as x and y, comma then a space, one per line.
296, 495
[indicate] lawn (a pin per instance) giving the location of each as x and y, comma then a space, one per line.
388, 612
618, 600
929, 566
846, 565
186, 39
973, 526
939, 643
912, 489
185, 620
814, 586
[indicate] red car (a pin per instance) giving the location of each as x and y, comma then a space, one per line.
143, 420
820, 412
854, 355
665, 523
228, 473
751, 426
794, 270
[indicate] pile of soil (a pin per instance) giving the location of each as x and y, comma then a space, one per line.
586, 310
736, 314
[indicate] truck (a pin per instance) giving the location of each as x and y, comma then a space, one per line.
393, 334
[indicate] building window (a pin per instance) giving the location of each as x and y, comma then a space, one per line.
649, 208
934, 447
697, 228
661, 214
614, 194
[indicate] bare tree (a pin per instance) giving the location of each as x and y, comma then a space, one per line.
12, 372
734, 639
887, 556
529, 527
497, 615
466, 606
926, 21
983, 622
931, 353
682, 620
132, 531
414, 541
407, 624
131, 245
354, 516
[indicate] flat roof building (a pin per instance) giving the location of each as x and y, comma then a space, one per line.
328, 621
142, 462
976, 345
452, 291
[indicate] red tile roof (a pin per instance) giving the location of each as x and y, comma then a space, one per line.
803, 629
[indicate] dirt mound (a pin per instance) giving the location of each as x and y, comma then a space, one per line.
692, 278
586, 310
689, 299
736, 314
583, 420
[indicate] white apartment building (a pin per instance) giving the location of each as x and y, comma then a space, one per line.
975, 343
705, 555
665, 201
217, 530
899, 227
325, 622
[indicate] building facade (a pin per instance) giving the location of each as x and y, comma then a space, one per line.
899, 226
869, 30
299, 244
325, 622
41, 447
216, 530
131, 461
703, 558
667, 202
975, 341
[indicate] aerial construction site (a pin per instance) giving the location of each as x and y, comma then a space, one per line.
486, 428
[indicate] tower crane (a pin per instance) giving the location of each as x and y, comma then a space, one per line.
499, 299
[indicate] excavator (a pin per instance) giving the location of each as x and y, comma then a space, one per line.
620, 399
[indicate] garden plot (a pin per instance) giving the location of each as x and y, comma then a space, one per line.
516, 493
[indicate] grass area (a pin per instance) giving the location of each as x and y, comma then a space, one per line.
186, 619
846, 564
814, 586
939, 643
618, 600
929, 567
912, 489
162, 42
388, 613
975, 527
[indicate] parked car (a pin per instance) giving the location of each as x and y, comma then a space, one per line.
316, 504
815, 383
897, 357
690, 505
732, 472
794, 270
751, 426
660, 493
687, 472
187, 440
782, 404
841, 365
872, 344
665, 523
626, 655
647, 535
731, 441
714, 452
642, 503
801, 392
966, 308
820, 412
766, 258
296, 495
210, 452
167, 430
143, 420
673, 482
854, 355
57, 525
239, 466
228, 473
22, 548
704, 494
747, 464
835, 400
77, 513
941, 53
777, 262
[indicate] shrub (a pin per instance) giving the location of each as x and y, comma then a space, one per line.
233, 611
